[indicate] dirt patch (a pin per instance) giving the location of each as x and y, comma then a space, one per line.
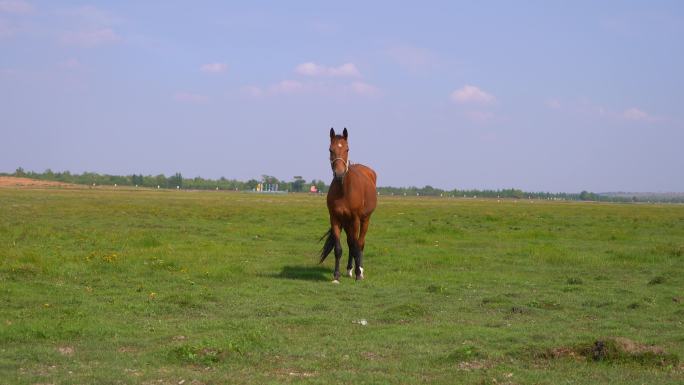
467, 366
11, 181
614, 350
294, 373
632, 347
371, 356
166, 381
301, 374
133, 372
66, 350
562, 351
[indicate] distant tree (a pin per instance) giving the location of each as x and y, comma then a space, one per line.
585, 195
176, 180
269, 179
149, 181
64, 176
19, 172
320, 185
251, 184
137, 180
160, 180
298, 184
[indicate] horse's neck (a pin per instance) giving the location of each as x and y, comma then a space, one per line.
344, 187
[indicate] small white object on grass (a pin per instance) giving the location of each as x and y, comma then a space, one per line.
361, 322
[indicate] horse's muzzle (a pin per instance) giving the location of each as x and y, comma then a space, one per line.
339, 177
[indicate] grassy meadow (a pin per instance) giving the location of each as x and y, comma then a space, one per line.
175, 287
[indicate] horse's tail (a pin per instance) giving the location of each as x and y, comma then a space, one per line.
328, 246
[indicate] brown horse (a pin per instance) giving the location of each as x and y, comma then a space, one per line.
351, 201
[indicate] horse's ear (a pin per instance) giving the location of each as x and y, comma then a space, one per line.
344, 133
332, 133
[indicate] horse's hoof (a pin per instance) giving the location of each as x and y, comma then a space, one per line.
349, 273
335, 281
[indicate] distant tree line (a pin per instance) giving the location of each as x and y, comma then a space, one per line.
176, 180
299, 184
503, 193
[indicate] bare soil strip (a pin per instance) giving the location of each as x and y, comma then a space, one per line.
11, 181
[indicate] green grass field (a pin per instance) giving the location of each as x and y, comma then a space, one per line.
161, 287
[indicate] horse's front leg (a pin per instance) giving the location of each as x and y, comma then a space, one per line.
336, 229
350, 263
354, 249
362, 242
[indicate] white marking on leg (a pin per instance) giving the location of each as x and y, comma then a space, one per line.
349, 273
335, 281
361, 268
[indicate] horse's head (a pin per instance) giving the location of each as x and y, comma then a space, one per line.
339, 154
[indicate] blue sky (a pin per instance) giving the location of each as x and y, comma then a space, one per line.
538, 95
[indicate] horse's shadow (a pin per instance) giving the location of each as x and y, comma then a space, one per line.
305, 273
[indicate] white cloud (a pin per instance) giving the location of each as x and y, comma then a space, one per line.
362, 88
15, 6
286, 87
479, 116
323, 89
90, 27
635, 114
5, 29
253, 91
90, 38
93, 16
310, 69
553, 104
347, 69
70, 64
7, 72
214, 68
188, 97
471, 94
283, 87
412, 58
313, 69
